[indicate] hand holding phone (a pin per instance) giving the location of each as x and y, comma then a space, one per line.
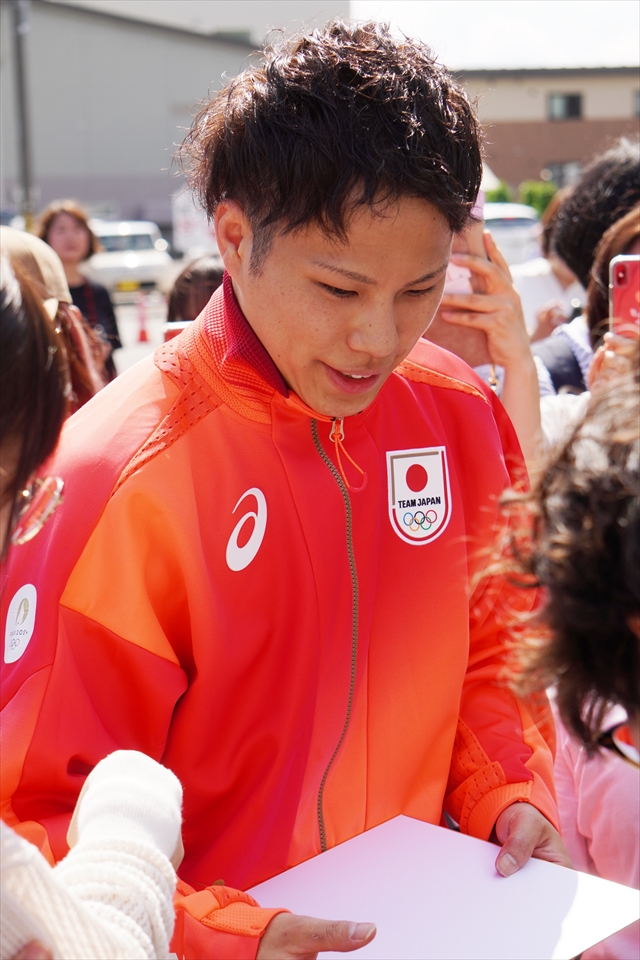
624, 295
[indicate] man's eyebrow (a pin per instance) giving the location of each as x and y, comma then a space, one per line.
350, 274
361, 278
428, 276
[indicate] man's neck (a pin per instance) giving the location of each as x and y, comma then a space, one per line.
244, 344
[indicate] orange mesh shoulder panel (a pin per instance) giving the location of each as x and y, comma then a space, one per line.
428, 363
195, 401
241, 388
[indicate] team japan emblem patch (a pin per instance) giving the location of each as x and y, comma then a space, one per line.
419, 493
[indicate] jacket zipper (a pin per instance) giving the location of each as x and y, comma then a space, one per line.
354, 617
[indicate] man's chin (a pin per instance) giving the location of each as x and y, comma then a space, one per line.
339, 407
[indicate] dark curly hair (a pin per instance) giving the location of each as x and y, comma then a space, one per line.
341, 117
584, 550
608, 188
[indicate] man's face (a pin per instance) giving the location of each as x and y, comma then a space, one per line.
338, 317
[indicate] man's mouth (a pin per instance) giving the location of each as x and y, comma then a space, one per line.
352, 381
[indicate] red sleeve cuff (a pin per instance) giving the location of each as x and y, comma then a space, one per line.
218, 922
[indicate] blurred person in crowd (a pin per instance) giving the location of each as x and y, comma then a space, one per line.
248, 511
194, 287
480, 320
35, 388
112, 895
85, 351
549, 291
621, 238
585, 553
559, 413
606, 191
64, 225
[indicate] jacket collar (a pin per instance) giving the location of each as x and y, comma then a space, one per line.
241, 344
226, 353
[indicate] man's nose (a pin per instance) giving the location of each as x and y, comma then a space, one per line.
375, 332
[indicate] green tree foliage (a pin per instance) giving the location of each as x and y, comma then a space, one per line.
501, 194
537, 193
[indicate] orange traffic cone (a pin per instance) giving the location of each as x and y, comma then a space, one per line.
143, 336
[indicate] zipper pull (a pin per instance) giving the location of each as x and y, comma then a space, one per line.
336, 434
337, 430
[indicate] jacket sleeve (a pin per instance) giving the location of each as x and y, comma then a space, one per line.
90, 688
504, 746
218, 922
503, 750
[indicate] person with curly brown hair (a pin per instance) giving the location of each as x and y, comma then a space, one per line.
585, 553
266, 581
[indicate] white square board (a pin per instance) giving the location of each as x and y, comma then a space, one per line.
434, 893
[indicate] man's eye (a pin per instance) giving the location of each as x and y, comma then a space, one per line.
339, 292
419, 293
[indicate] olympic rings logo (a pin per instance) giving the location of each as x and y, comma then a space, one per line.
419, 520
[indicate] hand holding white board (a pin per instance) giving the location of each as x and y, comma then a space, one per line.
434, 893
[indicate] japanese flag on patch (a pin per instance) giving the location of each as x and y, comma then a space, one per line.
419, 493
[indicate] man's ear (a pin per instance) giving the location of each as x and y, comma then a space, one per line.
234, 237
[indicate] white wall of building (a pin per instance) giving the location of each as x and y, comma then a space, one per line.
255, 17
111, 97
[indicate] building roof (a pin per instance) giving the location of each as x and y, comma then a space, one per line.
559, 72
230, 38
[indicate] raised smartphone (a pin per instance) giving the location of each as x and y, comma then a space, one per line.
624, 295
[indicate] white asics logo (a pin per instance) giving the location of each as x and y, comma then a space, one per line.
240, 557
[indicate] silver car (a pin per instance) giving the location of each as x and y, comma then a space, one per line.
134, 255
515, 228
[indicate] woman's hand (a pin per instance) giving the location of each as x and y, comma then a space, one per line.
497, 311
549, 316
613, 358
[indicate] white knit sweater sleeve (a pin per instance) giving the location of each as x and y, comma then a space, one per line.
111, 897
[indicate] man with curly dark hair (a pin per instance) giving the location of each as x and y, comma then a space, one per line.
267, 586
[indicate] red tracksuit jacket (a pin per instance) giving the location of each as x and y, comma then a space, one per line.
274, 605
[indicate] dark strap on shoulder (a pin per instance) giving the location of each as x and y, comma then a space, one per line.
560, 361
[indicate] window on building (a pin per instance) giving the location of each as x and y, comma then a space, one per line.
565, 106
